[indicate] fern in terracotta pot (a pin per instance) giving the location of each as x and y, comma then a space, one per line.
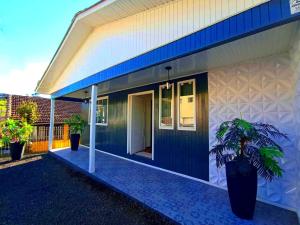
247, 149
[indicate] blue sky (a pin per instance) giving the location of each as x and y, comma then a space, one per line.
30, 32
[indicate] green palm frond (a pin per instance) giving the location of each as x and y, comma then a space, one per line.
255, 141
269, 155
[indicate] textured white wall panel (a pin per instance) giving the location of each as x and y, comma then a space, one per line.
121, 40
262, 90
295, 59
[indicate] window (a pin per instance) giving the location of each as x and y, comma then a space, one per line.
102, 111
166, 105
3, 108
187, 105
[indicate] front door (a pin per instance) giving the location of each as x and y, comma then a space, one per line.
140, 124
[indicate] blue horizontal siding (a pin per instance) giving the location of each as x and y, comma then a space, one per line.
259, 18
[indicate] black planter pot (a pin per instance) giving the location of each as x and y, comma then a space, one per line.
16, 150
242, 187
74, 139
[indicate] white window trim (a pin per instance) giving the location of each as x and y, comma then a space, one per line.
172, 108
89, 113
101, 98
178, 102
129, 120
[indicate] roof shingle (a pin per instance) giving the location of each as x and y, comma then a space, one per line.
63, 109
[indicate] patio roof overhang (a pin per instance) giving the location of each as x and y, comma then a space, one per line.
269, 42
207, 45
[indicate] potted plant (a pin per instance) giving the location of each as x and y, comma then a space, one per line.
76, 125
16, 134
247, 149
28, 112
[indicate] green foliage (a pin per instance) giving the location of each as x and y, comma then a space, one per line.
15, 131
254, 141
222, 130
28, 112
268, 155
76, 124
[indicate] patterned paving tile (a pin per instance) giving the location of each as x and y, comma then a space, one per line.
184, 200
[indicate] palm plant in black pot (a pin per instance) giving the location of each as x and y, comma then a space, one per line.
247, 149
16, 134
76, 124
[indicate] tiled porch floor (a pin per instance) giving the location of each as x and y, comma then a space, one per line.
183, 200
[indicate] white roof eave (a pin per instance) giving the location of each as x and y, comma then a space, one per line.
82, 25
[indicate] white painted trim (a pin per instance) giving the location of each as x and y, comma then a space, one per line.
51, 126
99, 98
93, 129
178, 104
96, 7
102, 98
189, 177
129, 119
89, 116
129, 112
172, 108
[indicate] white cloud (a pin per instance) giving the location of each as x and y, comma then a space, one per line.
22, 81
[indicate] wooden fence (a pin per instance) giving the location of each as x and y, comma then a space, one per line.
39, 139
40, 134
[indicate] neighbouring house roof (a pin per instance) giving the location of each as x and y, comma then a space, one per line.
63, 109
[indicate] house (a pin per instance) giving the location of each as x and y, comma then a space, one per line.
39, 139
161, 76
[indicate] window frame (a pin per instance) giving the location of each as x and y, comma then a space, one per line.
160, 109
194, 128
89, 119
101, 98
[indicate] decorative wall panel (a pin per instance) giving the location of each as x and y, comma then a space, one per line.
295, 59
260, 90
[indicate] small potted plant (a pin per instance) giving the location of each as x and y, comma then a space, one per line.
16, 134
247, 149
76, 125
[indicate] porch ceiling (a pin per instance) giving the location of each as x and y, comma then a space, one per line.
273, 41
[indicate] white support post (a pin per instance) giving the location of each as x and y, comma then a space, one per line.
93, 129
52, 109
